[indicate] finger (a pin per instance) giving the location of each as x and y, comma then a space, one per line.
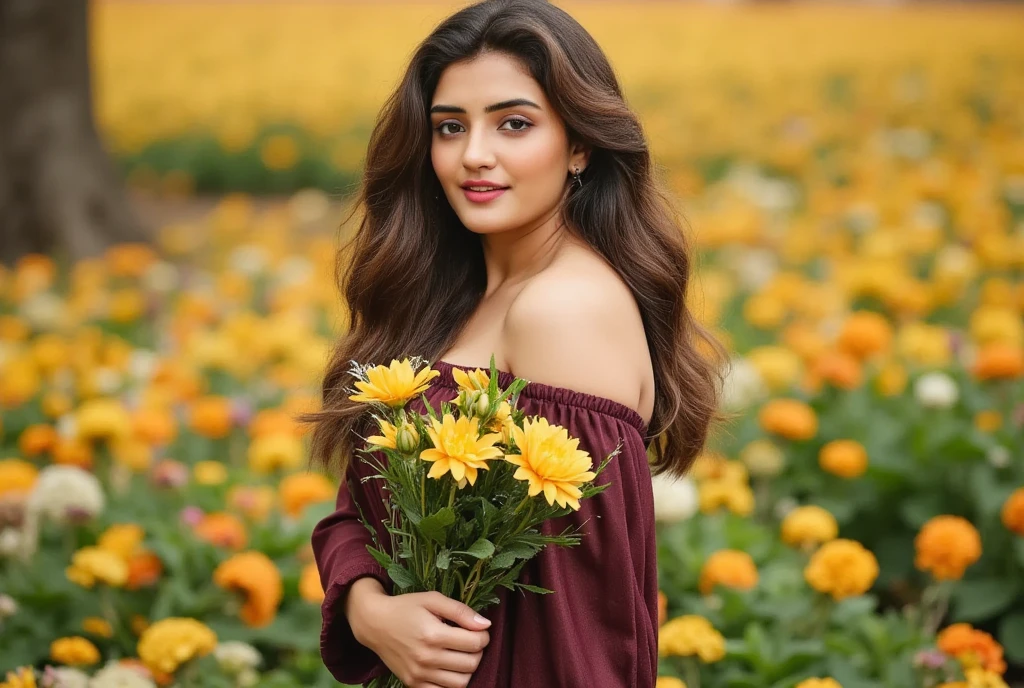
453, 638
456, 611
459, 662
448, 679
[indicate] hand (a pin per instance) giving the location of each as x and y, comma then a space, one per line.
409, 634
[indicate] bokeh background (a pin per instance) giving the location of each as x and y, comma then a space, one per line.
172, 180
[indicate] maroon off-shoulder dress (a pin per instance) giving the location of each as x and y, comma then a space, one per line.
599, 629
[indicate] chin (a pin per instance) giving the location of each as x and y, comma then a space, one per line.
496, 225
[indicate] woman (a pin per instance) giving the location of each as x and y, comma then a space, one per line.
510, 208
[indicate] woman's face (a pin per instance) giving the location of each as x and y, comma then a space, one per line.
493, 124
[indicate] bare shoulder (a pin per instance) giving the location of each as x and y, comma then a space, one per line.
576, 325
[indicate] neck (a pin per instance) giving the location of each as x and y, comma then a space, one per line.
513, 256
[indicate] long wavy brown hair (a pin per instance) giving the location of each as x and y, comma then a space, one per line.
412, 274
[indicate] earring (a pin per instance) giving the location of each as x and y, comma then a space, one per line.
576, 179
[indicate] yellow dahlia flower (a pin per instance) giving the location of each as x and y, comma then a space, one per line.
23, 677
669, 682
459, 448
405, 438
74, 651
808, 526
471, 381
690, 635
169, 643
393, 385
551, 461
91, 565
122, 539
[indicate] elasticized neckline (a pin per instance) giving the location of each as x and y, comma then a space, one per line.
558, 395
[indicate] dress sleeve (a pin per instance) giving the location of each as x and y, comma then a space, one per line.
339, 545
599, 627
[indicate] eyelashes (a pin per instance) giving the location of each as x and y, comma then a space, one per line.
525, 124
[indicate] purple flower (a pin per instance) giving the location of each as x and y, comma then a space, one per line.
191, 515
930, 659
241, 411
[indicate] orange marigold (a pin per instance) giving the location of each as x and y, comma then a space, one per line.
837, 368
37, 439
842, 568
789, 418
946, 546
730, 568
844, 458
999, 360
257, 578
1013, 512
223, 530
971, 646
144, 569
211, 417
299, 490
866, 333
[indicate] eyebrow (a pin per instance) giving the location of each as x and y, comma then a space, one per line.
503, 105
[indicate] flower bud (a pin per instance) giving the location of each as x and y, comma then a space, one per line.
407, 439
483, 404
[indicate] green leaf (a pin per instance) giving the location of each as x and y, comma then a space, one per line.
978, 600
435, 525
917, 510
401, 577
534, 588
1011, 635
443, 559
503, 560
481, 549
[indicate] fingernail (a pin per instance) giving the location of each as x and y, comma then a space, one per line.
482, 620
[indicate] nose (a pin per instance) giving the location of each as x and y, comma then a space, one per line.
478, 152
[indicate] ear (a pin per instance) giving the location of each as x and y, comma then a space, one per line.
579, 156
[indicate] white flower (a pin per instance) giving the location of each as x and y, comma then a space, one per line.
234, 656
753, 267
142, 363
108, 380
675, 499
998, 456
763, 458
294, 270
67, 426
116, 675
248, 259
10, 542
65, 677
936, 390
247, 678
743, 385
8, 607
161, 277
66, 493
44, 311
309, 205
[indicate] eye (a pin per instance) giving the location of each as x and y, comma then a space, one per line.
441, 128
519, 121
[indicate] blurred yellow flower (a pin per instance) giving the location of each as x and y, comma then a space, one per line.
715, 494
394, 384
691, 636
865, 334
256, 577
275, 452
946, 546
169, 643
988, 420
778, 366
842, 568
74, 651
809, 526
122, 539
92, 565
669, 682
98, 626
729, 568
22, 677
103, 419
999, 361
210, 472
763, 458
550, 461
819, 683
17, 477
997, 325
279, 152
211, 417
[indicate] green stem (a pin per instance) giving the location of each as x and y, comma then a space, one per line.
474, 578
691, 673
451, 496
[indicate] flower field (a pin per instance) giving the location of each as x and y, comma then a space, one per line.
859, 208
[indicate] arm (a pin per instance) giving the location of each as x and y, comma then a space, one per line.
339, 544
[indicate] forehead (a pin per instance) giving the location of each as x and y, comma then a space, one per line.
485, 79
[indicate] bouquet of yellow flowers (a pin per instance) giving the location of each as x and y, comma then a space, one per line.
468, 484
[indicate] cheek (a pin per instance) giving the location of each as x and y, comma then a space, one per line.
541, 161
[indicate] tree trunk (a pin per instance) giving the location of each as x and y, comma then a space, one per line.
59, 191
